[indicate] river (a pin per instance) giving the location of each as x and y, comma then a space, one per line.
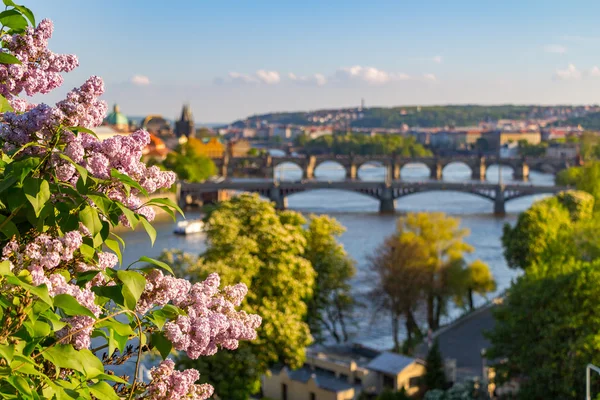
366, 229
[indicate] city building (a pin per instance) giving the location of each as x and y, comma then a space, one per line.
106, 131
185, 125
209, 147
157, 125
343, 373
314, 132
238, 148
155, 149
117, 120
562, 150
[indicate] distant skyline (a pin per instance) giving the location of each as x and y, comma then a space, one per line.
232, 59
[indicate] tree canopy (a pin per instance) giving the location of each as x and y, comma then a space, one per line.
190, 166
585, 178
362, 144
297, 274
331, 303
547, 330
551, 232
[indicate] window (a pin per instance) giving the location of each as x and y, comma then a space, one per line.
388, 382
357, 381
313, 396
344, 377
415, 381
284, 391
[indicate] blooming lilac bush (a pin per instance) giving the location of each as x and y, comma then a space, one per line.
62, 190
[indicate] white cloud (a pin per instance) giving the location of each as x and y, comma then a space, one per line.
570, 73
437, 59
370, 75
430, 77
241, 78
555, 48
316, 79
268, 77
261, 76
594, 72
140, 80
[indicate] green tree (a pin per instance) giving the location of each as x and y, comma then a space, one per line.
332, 301
435, 377
190, 166
548, 330
585, 178
399, 283
476, 278
249, 242
468, 390
390, 395
548, 231
443, 241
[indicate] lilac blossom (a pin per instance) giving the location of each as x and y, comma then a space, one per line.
170, 384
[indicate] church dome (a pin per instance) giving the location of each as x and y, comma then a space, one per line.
116, 118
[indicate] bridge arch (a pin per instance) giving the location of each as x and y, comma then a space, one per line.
428, 200
413, 171
372, 170
330, 170
288, 171
457, 171
507, 170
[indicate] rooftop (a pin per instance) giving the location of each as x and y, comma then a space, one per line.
322, 379
390, 363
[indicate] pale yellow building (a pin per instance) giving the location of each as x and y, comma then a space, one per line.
211, 147
335, 375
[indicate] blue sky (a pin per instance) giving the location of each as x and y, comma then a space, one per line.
231, 59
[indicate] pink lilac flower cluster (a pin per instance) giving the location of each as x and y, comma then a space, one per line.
211, 319
44, 255
170, 384
39, 71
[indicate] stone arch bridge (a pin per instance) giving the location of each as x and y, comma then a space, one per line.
265, 165
386, 193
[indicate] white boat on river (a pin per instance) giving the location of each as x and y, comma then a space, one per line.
189, 227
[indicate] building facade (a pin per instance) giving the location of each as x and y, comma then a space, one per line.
344, 374
209, 147
185, 125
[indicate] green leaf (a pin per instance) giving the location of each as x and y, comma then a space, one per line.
23, 387
112, 378
7, 351
87, 251
92, 364
78, 129
126, 179
114, 293
71, 306
27, 13
132, 218
149, 229
6, 58
133, 286
114, 246
40, 291
4, 104
162, 344
64, 356
9, 229
84, 361
103, 390
167, 202
158, 263
22, 168
89, 217
13, 19
82, 171
37, 192
8, 3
